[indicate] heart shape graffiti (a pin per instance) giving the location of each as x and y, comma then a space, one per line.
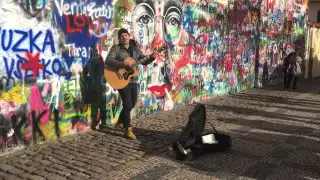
30, 6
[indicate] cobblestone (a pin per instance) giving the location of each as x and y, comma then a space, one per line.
12, 177
36, 178
24, 175
15, 171
275, 136
5, 167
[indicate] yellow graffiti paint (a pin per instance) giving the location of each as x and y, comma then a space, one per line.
15, 94
48, 130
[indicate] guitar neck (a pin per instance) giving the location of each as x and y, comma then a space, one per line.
157, 51
136, 64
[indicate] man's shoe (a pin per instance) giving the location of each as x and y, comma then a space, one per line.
119, 125
129, 134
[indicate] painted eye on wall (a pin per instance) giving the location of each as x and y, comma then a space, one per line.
173, 20
173, 17
145, 19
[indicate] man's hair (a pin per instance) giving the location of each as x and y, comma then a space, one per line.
123, 30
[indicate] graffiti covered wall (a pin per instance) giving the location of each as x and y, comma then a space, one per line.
282, 28
212, 48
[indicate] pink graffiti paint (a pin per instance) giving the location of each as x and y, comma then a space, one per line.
37, 105
46, 89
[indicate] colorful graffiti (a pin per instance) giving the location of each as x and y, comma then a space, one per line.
214, 47
283, 25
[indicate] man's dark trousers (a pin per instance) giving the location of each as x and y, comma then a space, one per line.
129, 96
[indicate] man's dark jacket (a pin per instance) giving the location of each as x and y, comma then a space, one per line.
118, 53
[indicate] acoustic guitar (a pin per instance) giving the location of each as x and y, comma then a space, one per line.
120, 78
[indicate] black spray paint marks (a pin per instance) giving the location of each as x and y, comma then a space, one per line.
35, 126
56, 122
17, 136
5, 127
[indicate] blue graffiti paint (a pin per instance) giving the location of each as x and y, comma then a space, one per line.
8, 69
3, 39
13, 40
13, 67
57, 66
38, 9
48, 41
276, 16
65, 11
171, 45
23, 36
11, 70
71, 59
147, 102
80, 39
68, 75
187, 21
33, 40
141, 34
45, 70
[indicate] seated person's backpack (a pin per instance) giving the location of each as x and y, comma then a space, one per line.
193, 142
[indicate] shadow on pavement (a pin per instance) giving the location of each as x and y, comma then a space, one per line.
270, 145
303, 85
275, 99
283, 152
276, 144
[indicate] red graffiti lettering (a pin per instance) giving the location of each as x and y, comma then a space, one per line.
79, 21
33, 63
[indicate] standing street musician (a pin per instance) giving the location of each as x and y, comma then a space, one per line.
117, 59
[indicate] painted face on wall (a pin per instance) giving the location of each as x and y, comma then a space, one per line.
157, 23
157, 20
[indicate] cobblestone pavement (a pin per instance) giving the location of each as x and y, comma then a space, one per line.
276, 135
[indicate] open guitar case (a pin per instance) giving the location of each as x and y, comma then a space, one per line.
192, 142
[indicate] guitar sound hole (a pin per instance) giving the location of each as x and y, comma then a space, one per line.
126, 75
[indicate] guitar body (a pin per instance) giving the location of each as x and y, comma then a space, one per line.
120, 78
